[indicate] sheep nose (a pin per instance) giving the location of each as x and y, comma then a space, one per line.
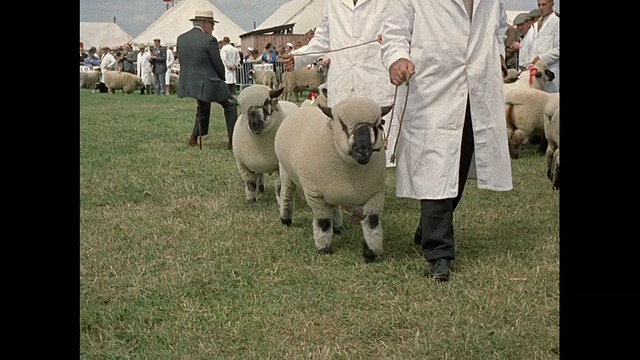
256, 126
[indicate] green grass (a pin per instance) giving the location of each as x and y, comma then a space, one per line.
175, 264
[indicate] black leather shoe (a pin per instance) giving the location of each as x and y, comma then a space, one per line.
438, 269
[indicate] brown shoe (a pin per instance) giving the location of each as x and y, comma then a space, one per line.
193, 140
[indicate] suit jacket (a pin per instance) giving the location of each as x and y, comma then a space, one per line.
201, 68
159, 65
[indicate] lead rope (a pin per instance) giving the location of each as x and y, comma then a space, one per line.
392, 159
333, 50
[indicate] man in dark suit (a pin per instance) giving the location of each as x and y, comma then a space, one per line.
202, 75
158, 60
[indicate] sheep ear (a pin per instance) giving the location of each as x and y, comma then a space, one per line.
326, 110
275, 93
384, 110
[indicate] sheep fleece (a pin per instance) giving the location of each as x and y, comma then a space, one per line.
124, 81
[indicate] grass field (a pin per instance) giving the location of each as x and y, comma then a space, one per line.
175, 264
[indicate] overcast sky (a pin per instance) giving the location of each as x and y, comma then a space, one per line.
133, 16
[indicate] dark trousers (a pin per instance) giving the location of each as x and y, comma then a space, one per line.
436, 216
203, 115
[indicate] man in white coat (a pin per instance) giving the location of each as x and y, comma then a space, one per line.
546, 45
455, 110
107, 63
143, 68
167, 78
356, 71
231, 60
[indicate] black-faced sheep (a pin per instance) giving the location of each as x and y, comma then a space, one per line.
253, 136
535, 78
552, 133
120, 80
264, 77
524, 111
333, 155
304, 79
317, 99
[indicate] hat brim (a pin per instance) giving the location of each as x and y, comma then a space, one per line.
204, 19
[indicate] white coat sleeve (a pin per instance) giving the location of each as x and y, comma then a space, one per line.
319, 42
503, 28
397, 32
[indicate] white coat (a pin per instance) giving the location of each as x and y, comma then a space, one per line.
525, 53
230, 57
356, 71
547, 46
170, 60
107, 63
143, 67
453, 58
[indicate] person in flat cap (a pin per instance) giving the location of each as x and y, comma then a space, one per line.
202, 76
524, 44
158, 59
108, 63
143, 68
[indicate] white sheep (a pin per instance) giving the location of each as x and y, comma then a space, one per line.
524, 112
253, 136
304, 79
88, 79
535, 78
317, 99
120, 80
265, 77
334, 155
174, 81
552, 134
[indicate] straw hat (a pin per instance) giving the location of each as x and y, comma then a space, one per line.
206, 15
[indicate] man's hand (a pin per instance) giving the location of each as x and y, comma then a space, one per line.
289, 62
400, 70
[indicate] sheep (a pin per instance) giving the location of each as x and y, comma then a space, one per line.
304, 79
333, 154
174, 80
88, 79
120, 80
512, 76
253, 135
316, 99
552, 134
265, 77
524, 111
535, 78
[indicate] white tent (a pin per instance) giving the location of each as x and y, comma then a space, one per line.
175, 21
306, 14
102, 33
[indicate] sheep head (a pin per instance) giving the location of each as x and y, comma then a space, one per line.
259, 103
357, 127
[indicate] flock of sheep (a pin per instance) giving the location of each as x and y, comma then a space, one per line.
120, 80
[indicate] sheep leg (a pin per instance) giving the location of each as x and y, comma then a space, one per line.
260, 183
337, 220
251, 182
287, 190
323, 215
555, 178
276, 185
549, 155
372, 231
515, 143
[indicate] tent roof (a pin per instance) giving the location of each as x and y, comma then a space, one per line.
102, 33
306, 14
175, 21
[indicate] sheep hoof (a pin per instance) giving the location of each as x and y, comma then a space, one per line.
337, 230
326, 251
369, 256
286, 221
261, 188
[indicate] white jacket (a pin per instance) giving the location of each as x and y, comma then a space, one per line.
525, 53
143, 66
107, 63
230, 57
170, 60
356, 71
453, 58
547, 46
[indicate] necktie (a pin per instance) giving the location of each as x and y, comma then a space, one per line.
469, 5
540, 23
